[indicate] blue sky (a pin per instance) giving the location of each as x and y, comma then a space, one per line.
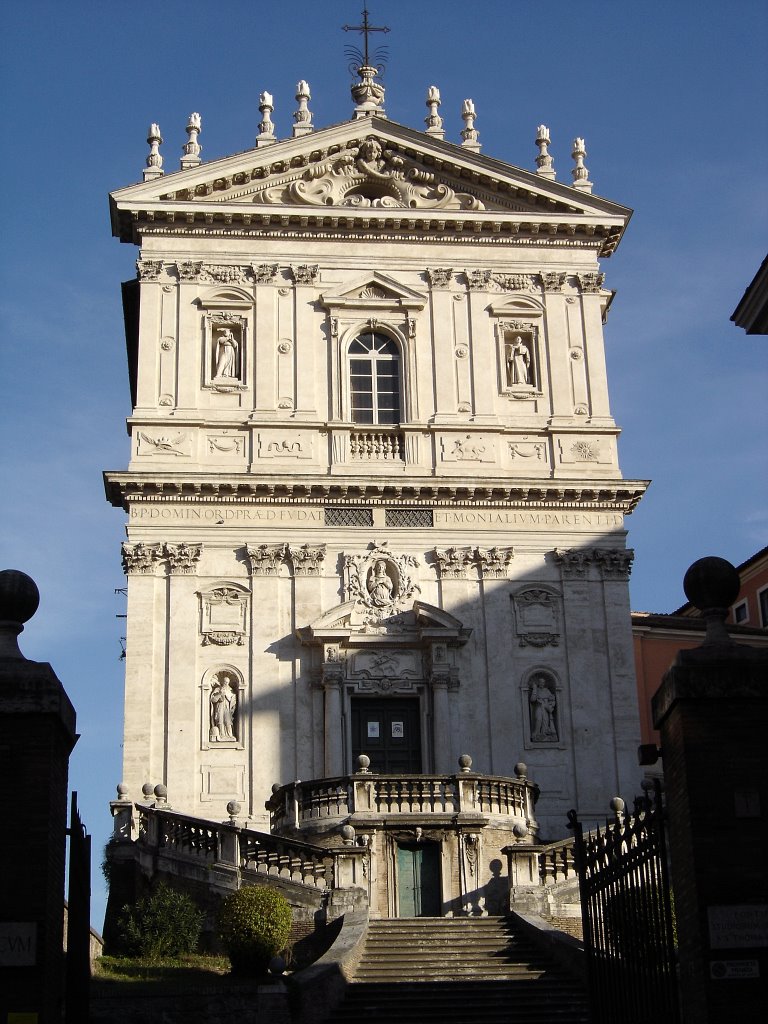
671, 99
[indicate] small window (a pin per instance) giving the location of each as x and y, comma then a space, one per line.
762, 601
374, 379
740, 613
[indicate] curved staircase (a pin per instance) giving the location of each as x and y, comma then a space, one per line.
457, 971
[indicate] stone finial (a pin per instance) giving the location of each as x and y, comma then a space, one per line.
154, 168
303, 116
122, 791
433, 121
470, 134
19, 600
347, 833
617, 805
147, 790
161, 795
363, 764
192, 149
233, 809
266, 134
521, 770
712, 584
465, 763
545, 165
368, 94
580, 172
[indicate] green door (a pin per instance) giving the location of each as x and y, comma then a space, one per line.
418, 880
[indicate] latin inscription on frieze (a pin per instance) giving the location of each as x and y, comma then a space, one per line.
490, 520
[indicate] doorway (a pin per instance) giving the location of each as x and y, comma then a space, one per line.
418, 880
388, 730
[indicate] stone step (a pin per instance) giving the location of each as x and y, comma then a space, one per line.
456, 971
462, 1003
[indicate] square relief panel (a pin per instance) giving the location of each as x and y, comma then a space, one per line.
285, 445
221, 446
222, 783
527, 453
576, 450
163, 443
463, 447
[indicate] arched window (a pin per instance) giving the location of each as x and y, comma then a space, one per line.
374, 379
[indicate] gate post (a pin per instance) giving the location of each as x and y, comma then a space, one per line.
712, 714
37, 734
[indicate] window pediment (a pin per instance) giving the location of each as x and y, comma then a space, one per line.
373, 292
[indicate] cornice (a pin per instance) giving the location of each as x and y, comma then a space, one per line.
124, 489
143, 220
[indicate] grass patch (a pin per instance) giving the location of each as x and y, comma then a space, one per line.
189, 967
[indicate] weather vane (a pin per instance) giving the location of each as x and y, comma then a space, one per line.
358, 59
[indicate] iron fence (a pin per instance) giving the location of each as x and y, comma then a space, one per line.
627, 915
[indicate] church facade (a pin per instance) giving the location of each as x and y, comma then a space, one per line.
376, 519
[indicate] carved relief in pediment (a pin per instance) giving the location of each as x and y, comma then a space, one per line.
368, 175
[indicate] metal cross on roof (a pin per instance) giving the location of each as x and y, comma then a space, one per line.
365, 28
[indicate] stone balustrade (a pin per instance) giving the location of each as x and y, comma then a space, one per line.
379, 445
324, 803
557, 862
165, 833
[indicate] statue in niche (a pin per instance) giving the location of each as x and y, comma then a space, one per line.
226, 355
543, 706
380, 586
223, 705
518, 362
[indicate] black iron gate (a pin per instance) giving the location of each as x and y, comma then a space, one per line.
78, 969
626, 908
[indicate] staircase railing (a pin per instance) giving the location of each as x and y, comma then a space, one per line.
158, 832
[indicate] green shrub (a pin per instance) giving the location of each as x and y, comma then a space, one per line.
254, 925
165, 922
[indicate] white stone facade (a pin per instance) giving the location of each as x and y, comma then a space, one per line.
461, 554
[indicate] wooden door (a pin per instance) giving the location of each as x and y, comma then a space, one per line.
388, 730
418, 880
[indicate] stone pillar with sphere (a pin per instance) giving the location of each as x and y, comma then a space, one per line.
712, 714
37, 734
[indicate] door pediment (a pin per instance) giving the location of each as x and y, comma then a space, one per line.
421, 625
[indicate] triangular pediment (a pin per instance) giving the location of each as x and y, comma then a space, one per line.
374, 290
419, 624
370, 167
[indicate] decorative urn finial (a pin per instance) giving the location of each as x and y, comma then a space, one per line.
303, 116
580, 172
266, 134
470, 134
433, 121
154, 168
191, 151
545, 165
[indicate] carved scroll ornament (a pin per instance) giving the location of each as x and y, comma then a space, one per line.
369, 175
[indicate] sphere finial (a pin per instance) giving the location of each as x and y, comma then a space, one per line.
712, 585
19, 600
